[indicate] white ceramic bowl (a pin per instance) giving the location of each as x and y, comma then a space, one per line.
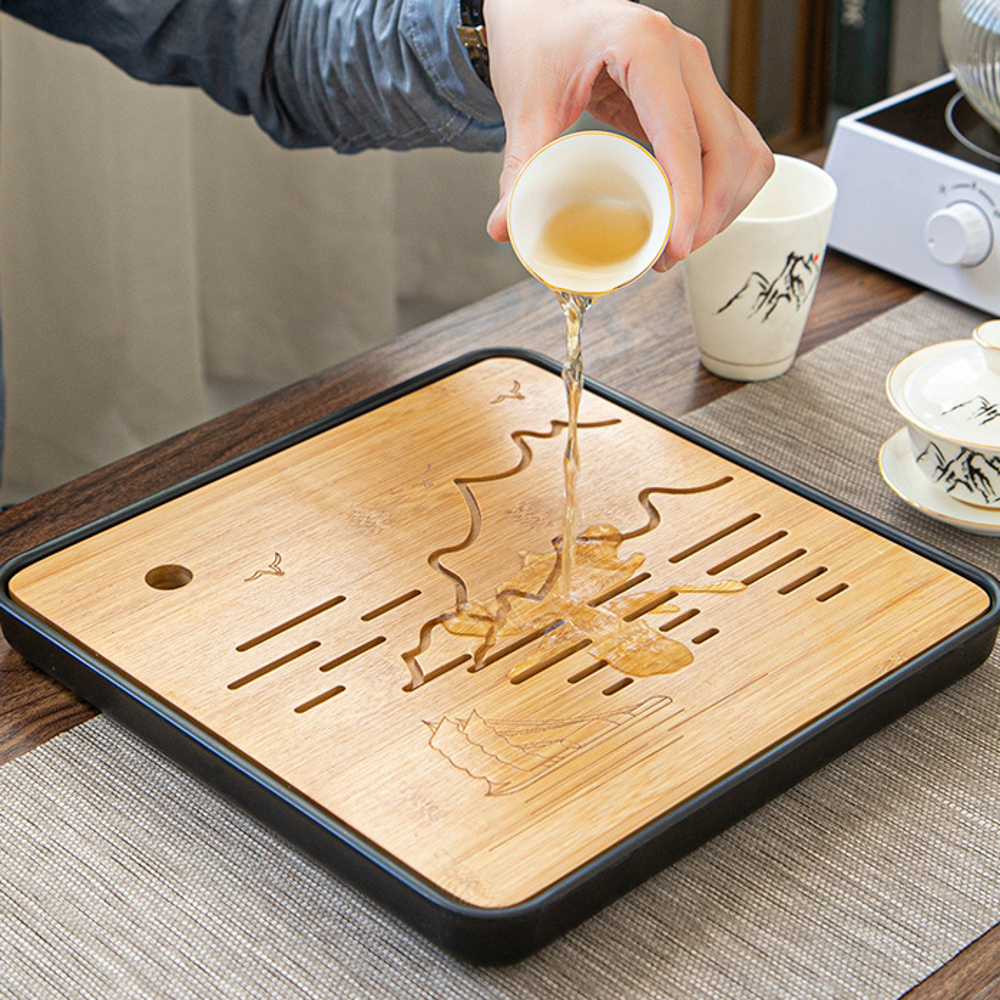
949, 396
583, 168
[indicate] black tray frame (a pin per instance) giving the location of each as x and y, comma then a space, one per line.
510, 933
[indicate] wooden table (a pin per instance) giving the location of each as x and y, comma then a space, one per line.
640, 343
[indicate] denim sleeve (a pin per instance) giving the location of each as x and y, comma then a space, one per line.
351, 74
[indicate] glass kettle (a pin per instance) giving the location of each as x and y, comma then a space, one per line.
970, 36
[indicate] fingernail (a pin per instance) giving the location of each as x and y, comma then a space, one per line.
689, 240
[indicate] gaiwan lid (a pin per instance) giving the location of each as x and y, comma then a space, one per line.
952, 390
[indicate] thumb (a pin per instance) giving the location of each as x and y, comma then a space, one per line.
522, 144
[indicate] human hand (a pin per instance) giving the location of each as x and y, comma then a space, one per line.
635, 71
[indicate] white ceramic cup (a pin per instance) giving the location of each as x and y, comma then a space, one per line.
582, 168
749, 288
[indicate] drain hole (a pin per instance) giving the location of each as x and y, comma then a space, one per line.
832, 592
704, 636
169, 577
802, 580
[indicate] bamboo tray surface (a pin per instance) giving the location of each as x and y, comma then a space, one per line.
297, 609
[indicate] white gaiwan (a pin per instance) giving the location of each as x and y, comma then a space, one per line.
949, 396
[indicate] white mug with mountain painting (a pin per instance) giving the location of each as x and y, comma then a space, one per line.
750, 288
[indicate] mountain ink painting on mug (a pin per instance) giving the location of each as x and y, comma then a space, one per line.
793, 286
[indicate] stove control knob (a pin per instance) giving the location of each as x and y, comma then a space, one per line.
959, 235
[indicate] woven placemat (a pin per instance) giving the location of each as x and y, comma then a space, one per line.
121, 876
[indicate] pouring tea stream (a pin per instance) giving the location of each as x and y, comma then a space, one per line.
588, 213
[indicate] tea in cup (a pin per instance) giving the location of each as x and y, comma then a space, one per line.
589, 213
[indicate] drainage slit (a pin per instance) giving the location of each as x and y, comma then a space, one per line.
319, 699
352, 653
513, 647
747, 552
620, 589
712, 539
832, 592
291, 623
617, 686
802, 580
549, 661
587, 671
445, 667
390, 605
662, 598
273, 665
685, 616
773, 567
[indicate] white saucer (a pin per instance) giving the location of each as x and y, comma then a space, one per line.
899, 470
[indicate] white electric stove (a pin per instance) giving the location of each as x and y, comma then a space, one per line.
918, 179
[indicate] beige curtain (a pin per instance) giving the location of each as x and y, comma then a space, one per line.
161, 259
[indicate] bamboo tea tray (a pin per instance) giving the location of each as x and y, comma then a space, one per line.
286, 627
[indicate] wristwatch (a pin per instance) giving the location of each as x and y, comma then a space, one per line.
472, 34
